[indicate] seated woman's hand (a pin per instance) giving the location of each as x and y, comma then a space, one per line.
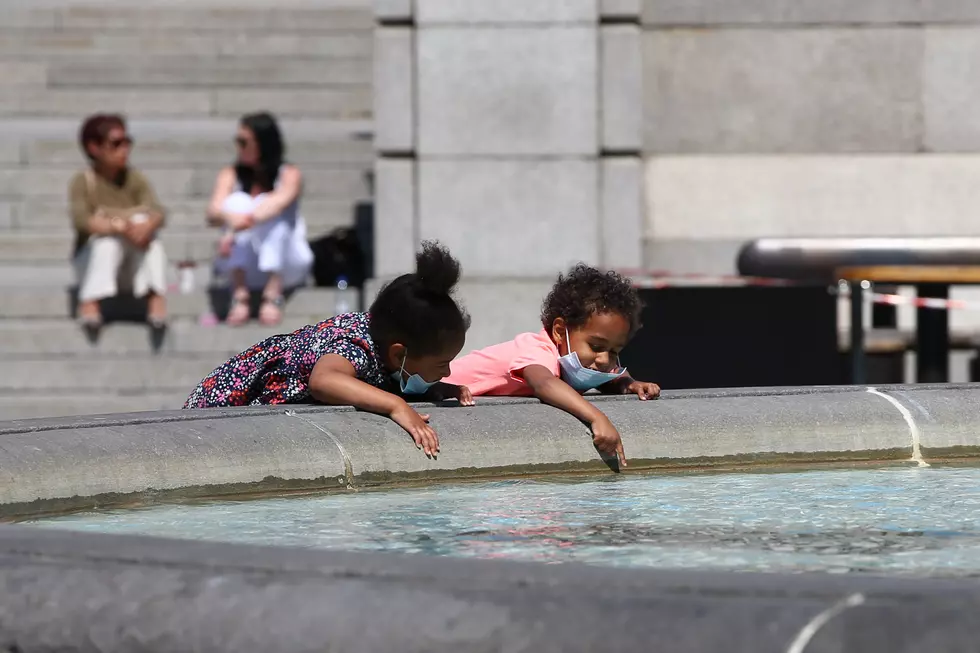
239, 221
225, 244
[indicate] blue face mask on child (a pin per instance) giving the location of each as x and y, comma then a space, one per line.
413, 385
580, 377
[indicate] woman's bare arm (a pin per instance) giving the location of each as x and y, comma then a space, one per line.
289, 188
223, 187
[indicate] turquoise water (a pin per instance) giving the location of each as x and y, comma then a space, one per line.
898, 520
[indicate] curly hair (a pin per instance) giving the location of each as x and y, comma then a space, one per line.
586, 291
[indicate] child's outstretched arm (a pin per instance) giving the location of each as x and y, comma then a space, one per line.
553, 391
333, 381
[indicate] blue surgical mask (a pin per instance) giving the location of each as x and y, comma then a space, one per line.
580, 377
413, 385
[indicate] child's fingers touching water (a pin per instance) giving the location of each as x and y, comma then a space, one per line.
607, 440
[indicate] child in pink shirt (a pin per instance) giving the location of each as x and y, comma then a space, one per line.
588, 317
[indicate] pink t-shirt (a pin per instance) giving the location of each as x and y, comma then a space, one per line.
491, 371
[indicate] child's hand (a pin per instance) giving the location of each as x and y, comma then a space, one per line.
418, 427
643, 390
607, 440
443, 391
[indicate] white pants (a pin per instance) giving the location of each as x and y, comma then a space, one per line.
107, 263
276, 246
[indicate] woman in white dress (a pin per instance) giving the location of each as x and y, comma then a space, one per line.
264, 247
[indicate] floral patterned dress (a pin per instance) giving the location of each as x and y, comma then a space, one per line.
277, 370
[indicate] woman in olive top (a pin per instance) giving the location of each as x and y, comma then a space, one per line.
116, 217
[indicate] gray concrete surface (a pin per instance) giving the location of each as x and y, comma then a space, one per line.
775, 13
782, 91
621, 88
480, 12
62, 591
780, 12
116, 594
63, 463
394, 89
544, 222
532, 91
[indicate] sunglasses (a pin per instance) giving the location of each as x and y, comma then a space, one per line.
116, 143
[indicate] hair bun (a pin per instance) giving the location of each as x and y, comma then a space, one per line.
436, 269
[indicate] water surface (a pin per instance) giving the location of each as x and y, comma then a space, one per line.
895, 520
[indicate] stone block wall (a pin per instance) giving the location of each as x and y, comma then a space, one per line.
817, 117
511, 132
665, 133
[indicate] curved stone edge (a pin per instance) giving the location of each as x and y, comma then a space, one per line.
124, 593
59, 465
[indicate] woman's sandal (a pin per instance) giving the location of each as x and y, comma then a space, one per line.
158, 332
270, 313
238, 314
91, 327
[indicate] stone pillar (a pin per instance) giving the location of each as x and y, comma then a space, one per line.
511, 132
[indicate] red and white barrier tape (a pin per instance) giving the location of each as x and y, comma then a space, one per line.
923, 302
661, 279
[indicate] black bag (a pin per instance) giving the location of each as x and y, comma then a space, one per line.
339, 254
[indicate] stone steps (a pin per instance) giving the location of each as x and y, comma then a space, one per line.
32, 44
183, 128
310, 304
189, 150
181, 71
40, 247
341, 103
131, 372
323, 182
32, 405
224, 17
62, 337
184, 215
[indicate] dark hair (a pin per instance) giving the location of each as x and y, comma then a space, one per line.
418, 309
272, 152
95, 129
586, 291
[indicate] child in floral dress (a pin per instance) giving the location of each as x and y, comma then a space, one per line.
402, 346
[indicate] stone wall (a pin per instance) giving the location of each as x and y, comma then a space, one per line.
766, 117
666, 132
509, 131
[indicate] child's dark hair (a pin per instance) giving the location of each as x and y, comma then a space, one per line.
586, 291
418, 309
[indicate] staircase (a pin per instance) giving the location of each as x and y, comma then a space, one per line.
182, 73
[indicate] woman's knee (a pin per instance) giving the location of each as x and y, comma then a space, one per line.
100, 246
238, 202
